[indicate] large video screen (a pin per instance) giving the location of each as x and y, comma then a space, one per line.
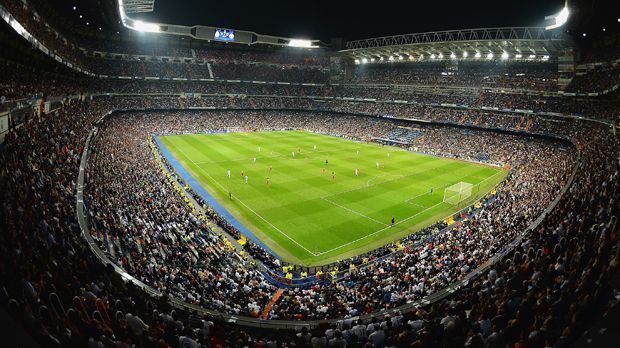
224, 34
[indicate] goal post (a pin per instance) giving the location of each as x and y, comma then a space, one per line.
457, 193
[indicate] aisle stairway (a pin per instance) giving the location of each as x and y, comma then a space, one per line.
270, 304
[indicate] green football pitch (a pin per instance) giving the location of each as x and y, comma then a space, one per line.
307, 215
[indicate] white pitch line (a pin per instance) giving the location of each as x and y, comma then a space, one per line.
368, 185
385, 228
324, 198
378, 231
354, 212
250, 209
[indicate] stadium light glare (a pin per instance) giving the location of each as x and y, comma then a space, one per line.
400, 58
410, 57
505, 55
560, 19
477, 55
357, 61
372, 60
518, 56
381, 59
440, 56
300, 43
465, 54
364, 60
421, 56
490, 55
391, 58
145, 27
433, 56
532, 56
452, 55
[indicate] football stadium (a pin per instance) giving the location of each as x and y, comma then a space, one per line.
210, 174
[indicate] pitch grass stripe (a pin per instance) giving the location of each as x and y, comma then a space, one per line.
353, 211
298, 156
246, 206
293, 202
381, 230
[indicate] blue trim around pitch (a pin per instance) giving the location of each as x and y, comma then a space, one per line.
206, 196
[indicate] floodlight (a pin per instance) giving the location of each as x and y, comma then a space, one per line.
357, 61
465, 54
372, 59
518, 56
452, 55
440, 56
421, 56
300, 43
433, 56
584, 34
74, 8
560, 19
391, 58
146, 27
381, 58
505, 55
477, 55
410, 57
532, 56
364, 60
400, 58
490, 55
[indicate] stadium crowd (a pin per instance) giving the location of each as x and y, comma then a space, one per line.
596, 81
544, 293
146, 242
531, 75
42, 159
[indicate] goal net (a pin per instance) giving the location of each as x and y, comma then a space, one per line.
457, 193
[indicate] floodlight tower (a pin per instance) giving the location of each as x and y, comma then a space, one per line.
559, 18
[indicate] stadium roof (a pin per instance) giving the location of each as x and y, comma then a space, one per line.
525, 41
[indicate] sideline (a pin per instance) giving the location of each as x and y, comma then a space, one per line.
204, 194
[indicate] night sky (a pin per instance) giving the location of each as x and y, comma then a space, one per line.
322, 19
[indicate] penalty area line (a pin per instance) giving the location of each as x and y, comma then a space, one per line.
401, 221
378, 231
354, 212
